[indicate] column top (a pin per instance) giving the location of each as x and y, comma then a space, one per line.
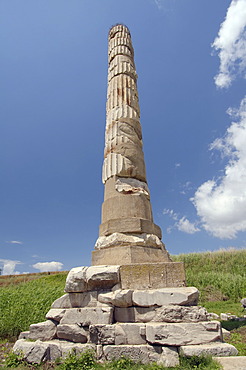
118, 28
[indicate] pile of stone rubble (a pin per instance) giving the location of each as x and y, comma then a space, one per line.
98, 314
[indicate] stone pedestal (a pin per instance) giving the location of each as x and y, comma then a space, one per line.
128, 255
104, 311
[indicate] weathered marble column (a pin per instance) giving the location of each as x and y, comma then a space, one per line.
127, 232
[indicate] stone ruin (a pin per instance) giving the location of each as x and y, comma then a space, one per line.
133, 300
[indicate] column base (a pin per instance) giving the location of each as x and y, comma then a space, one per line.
125, 255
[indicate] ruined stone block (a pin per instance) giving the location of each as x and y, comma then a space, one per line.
102, 277
118, 298
73, 333
212, 349
180, 334
152, 275
88, 316
55, 314
129, 225
43, 330
102, 334
73, 300
187, 296
170, 313
128, 255
139, 353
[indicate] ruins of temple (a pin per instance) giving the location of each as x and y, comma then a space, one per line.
133, 300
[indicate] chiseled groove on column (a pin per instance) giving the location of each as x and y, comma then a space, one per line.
122, 91
122, 81
130, 126
119, 59
123, 129
119, 31
113, 164
113, 43
116, 136
120, 50
125, 68
117, 129
122, 114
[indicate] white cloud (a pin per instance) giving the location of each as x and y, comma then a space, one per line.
231, 44
158, 4
9, 267
182, 224
221, 203
186, 226
14, 242
48, 266
170, 213
186, 187
165, 5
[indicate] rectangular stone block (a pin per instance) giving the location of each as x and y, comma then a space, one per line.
130, 334
152, 275
212, 349
73, 300
67, 347
102, 334
129, 225
118, 334
73, 333
185, 296
43, 330
134, 314
170, 313
55, 314
126, 206
142, 352
232, 363
180, 334
128, 255
88, 316
85, 279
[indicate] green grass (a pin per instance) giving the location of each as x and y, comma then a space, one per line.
87, 361
238, 339
23, 304
235, 308
219, 275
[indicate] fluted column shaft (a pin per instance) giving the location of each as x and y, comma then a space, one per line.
127, 221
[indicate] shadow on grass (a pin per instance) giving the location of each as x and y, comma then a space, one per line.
233, 324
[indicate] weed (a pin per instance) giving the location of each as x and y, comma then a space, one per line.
84, 361
199, 362
122, 364
238, 339
14, 360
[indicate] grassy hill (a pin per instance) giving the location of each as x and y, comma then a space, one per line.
26, 299
220, 276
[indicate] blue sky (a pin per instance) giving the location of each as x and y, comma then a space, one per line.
191, 62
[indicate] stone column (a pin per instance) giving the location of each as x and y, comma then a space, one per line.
127, 231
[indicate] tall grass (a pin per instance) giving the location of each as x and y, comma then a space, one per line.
27, 303
219, 275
